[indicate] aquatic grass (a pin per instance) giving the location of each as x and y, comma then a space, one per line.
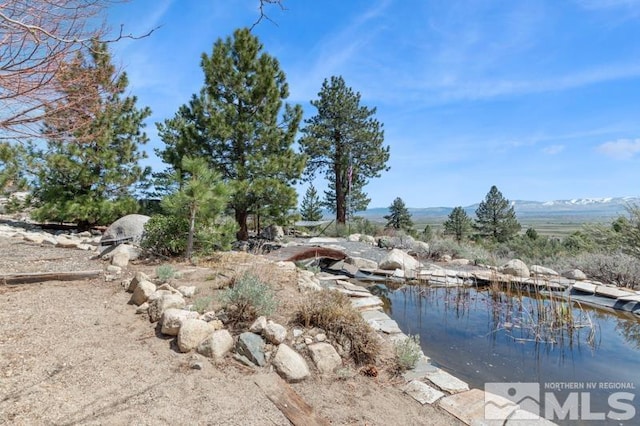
530, 314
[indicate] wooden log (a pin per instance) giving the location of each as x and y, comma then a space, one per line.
37, 277
291, 404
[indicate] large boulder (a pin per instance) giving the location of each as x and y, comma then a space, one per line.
541, 270
575, 274
143, 290
137, 278
127, 228
290, 364
516, 267
362, 263
274, 333
66, 241
172, 320
217, 345
307, 281
272, 233
166, 301
398, 259
251, 346
192, 333
325, 357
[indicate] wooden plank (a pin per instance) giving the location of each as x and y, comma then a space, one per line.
37, 277
291, 404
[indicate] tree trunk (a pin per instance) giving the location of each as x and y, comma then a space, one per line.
241, 218
341, 205
192, 228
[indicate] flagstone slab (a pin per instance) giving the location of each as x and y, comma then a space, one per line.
420, 370
584, 287
612, 292
422, 392
469, 407
447, 382
364, 303
630, 297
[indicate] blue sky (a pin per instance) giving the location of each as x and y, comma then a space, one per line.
540, 98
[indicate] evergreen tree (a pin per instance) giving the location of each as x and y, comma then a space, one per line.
458, 224
399, 216
202, 198
344, 141
427, 233
496, 219
310, 208
238, 125
87, 172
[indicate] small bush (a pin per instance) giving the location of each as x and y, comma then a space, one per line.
201, 304
620, 269
165, 272
332, 311
166, 235
248, 298
408, 352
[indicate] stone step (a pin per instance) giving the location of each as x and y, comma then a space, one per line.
446, 381
422, 392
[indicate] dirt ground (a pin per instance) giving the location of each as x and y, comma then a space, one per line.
76, 353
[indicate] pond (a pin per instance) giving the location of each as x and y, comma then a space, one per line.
585, 356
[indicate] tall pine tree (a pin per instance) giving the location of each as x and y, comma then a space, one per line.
399, 216
310, 209
458, 224
87, 172
496, 218
344, 141
238, 124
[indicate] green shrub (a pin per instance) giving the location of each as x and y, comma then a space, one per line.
408, 352
201, 304
247, 298
620, 269
166, 235
332, 312
361, 225
165, 272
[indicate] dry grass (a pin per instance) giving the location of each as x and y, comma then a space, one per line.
332, 311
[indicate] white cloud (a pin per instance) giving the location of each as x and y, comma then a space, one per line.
607, 4
553, 149
621, 149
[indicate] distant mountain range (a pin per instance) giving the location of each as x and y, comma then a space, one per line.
575, 210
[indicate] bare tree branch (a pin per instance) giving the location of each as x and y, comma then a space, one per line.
263, 15
37, 39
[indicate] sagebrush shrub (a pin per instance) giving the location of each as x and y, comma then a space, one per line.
617, 268
247, 298
165, 272
408, 352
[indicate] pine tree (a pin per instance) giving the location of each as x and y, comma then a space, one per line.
310, 209
399, 216
238, 125
344, 141
458, 224
496, 219
87, 172
202, 197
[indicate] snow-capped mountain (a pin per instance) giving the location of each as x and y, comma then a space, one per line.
577, 209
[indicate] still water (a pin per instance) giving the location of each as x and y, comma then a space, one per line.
482, 336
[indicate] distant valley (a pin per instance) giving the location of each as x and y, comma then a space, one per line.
580, 210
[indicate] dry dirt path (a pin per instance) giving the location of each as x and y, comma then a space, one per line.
75, 353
